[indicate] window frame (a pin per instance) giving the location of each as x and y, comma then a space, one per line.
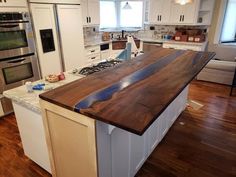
118, 27
226, 42
219, 25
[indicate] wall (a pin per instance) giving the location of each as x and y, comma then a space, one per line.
226, 52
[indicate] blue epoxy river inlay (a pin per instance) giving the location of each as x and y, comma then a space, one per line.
131, 79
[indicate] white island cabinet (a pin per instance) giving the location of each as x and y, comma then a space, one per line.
98, 149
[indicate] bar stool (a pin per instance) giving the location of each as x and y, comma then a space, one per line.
233, 83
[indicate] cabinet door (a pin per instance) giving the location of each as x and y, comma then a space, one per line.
13, 3
190, 12
154, 10
50, 61
94, 12
164, 126
138, 152
165, 11
72, 45
153, 135
84, 4
159, 11
176, 13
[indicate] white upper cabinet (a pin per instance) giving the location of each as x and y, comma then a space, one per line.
198, 12
13, 3
57, 1
90, 12
184, 14
159, 11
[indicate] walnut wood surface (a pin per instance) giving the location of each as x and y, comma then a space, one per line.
137, 106
201, 143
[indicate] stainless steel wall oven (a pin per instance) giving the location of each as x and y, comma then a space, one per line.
18, 62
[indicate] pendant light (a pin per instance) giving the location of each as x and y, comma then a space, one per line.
183, 2
127, 6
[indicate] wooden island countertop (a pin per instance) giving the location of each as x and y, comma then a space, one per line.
133, 94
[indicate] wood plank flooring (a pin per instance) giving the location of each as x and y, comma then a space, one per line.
202, 143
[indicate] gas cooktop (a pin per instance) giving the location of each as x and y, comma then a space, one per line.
96, 68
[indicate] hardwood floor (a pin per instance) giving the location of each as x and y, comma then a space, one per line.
13, 162
202, 143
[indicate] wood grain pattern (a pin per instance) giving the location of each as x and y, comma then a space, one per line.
137, 106
205, 146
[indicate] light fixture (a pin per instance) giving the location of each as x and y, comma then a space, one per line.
127, 6
183, 2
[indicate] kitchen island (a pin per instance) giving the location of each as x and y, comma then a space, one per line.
108, 123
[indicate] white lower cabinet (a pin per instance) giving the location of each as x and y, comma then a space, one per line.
122, 154
186, 46
32, 135
93, 54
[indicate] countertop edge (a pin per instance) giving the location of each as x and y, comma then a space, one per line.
121, 126
23, 103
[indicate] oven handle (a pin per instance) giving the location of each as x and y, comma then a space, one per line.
16, 61
9, 26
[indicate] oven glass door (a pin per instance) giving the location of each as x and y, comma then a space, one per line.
13, 39
17, 73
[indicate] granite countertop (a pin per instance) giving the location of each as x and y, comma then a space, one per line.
172, 41
31, 100
133, 94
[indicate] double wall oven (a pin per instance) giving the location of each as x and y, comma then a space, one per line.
18, 62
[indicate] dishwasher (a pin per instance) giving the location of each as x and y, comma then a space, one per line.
148, 46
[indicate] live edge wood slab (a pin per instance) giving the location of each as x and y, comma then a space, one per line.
133, 94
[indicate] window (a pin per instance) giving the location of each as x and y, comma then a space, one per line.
107, 14
228, 33
113, 15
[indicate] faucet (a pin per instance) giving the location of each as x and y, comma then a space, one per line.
122, 35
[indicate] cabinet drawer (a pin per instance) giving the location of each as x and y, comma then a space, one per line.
13, 3
92, 50
93, 58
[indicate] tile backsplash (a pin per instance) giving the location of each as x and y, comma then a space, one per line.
149, 31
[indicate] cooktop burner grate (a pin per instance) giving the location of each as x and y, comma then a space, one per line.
99, 67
